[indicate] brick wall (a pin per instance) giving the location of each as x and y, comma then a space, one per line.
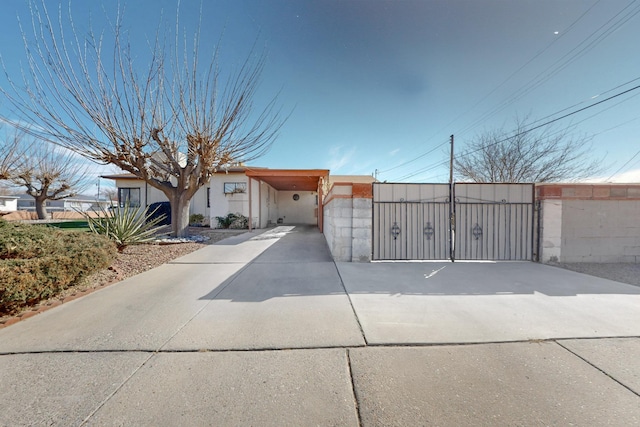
589, 222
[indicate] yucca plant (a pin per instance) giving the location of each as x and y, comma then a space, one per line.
125, 226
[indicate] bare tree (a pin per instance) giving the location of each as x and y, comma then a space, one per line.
526, 156
9, 158
49, 172
169, 122
111, 194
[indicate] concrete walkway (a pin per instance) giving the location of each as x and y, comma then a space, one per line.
265, 329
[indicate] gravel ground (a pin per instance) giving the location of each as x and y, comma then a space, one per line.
620, 272
140, 258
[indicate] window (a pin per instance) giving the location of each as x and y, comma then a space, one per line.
208, 197
235, 187
132, 195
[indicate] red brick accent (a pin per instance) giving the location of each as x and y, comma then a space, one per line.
549, 192
583, 192
588, 191
362, 191
601, 192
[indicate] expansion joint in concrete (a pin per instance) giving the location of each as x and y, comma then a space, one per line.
113, 393
354, 390
353, 309
599, 369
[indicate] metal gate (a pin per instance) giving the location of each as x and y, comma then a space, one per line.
410, 221
490, 222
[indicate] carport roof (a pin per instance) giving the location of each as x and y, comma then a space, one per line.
280, 179
290, 179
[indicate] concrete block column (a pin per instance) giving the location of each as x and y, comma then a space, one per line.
347, 221
551, 230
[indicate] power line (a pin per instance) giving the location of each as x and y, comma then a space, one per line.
616, 126
535, 56
559, 65
423, 170
439, 164
528, 88
415, 158
554, 120
587, 100
623, 166
540, 52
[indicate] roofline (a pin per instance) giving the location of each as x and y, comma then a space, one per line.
120, 176
233, 169
287, 172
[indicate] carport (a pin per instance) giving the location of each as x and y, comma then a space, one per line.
290, 180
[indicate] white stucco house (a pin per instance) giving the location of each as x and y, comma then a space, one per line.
8, 204
266, 196
82, 203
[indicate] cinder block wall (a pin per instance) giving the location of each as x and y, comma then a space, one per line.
347, 221
589, 222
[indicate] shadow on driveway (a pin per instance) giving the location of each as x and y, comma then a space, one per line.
299, 264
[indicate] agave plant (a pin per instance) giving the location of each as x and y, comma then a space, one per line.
125, 226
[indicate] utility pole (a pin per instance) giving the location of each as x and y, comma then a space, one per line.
452, 209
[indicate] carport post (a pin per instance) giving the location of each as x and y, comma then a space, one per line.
250, 217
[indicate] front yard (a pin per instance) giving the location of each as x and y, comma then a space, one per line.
133, 260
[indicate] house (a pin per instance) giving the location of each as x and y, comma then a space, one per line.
8, 204
82, 203
267, 196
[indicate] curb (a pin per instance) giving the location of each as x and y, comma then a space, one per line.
30, 312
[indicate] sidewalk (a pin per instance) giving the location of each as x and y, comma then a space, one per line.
265, 329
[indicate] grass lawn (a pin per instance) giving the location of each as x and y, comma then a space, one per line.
75, 225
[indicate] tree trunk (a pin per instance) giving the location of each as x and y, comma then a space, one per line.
41, 209
179, 215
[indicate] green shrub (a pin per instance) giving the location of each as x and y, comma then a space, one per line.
233, 220
65, 260
26, 241
196, 219
125, 226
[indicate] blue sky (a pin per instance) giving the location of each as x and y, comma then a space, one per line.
373, 85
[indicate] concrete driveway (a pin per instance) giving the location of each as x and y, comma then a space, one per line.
265, 329
431, 303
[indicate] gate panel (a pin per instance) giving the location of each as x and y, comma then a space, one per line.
494, 231
494, 222
410, 222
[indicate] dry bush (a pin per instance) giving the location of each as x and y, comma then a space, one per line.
37, 263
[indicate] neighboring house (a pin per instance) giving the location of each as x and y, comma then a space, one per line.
8, 204
267, 196
82, 203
